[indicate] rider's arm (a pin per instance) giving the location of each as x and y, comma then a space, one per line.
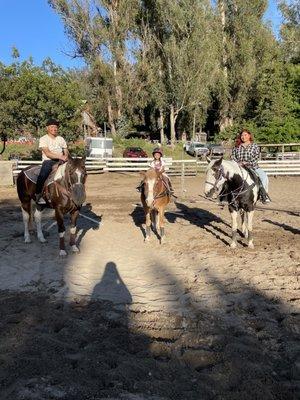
233, 155
52, 155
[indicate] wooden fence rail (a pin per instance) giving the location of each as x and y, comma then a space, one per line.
173, 167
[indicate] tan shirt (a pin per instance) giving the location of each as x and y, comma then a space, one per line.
55, 145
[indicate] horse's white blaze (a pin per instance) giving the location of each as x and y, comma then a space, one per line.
61, 234
150, 197
78, 173
26, 218
38, 221
73, 230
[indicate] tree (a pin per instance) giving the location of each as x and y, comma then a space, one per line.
241, 24
101, 30
30, 95
182, 41
290, 30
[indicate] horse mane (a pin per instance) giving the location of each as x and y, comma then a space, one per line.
151, 173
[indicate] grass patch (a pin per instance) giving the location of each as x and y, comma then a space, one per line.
30, 151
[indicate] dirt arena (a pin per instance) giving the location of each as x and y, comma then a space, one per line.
190, 319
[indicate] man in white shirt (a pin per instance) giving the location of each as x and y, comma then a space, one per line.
54, 149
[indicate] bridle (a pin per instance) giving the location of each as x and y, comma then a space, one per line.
220, 173
67, 189
160, 194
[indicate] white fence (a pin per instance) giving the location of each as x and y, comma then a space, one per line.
173, 167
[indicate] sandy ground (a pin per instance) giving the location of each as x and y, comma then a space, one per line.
124, 319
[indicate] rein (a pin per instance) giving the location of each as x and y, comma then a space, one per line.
161, 194
236, 192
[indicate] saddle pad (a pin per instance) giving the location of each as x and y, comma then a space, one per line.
33, 173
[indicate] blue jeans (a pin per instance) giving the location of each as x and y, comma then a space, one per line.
45, 172
263, 177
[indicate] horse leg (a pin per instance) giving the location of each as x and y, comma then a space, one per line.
234, 228
148, 224
161, 221
26, 213
244, 224
38, 221
250, 237
61, 231
74, 217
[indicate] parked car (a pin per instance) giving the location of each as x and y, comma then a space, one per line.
197, 149
186, 146
134, 152
216, 149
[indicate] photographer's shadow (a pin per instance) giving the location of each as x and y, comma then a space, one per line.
111, 287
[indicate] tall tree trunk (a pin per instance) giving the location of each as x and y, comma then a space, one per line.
194, 125
173, 117
111, 121
118, 91
161, 126
225, 120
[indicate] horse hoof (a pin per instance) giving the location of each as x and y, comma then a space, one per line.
233, 245
63, 253
162, 240
251, 245
42, 240
147, 239
27, 240
75, 249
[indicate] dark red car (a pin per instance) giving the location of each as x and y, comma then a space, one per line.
134, 152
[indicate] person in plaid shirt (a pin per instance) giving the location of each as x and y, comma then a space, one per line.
246, 153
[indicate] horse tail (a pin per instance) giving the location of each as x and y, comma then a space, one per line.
21, 185
24, 194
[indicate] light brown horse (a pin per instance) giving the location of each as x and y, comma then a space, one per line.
66, 194
155, 198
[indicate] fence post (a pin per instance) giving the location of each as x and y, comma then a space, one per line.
182, 179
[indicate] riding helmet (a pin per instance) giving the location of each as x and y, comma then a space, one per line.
157, 150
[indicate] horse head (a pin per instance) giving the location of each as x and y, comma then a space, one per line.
75, 175
152, 185
215, 177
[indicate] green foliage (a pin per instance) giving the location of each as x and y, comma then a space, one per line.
30, 95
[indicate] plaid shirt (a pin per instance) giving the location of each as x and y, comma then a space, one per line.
247, 154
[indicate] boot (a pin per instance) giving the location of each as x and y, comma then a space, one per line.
39, 199
263, 195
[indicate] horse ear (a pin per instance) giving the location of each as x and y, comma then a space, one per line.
208, 159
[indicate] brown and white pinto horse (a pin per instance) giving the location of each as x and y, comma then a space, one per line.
155, 198
66, 194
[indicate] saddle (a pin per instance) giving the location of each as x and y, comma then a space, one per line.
57, 173
32, 174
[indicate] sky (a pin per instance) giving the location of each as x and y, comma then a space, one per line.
36, 30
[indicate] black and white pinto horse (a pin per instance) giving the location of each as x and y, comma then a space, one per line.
241, 189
